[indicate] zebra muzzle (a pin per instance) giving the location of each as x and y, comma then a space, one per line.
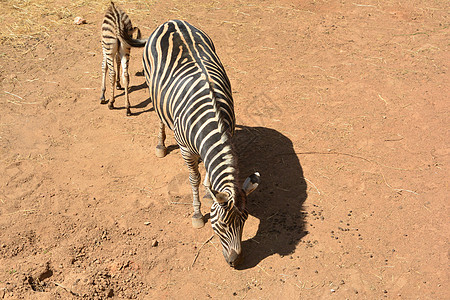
233, 259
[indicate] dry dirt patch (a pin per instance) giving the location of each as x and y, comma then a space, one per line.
342, 107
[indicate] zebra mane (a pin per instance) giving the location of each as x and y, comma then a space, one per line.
230, 156
216, 107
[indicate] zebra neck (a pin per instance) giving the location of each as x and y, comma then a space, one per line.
222, 171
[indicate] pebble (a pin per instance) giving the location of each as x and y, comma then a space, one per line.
154, 243
146, 223
79, 21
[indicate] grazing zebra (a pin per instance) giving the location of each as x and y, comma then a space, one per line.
116, 52
191, 94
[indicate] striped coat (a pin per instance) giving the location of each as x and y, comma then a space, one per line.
191, 94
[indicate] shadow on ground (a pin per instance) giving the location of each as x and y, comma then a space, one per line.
278, 201
143, 104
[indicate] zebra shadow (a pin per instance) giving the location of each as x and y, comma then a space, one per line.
133, 88
143, 104
278, 202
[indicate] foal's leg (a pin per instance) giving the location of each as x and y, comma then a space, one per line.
125, 58
112, 78
118, 86
104, 69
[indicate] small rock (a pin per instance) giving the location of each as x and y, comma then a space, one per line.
146, 223
154, 243
79, 21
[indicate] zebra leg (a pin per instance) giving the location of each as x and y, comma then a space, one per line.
125, 58
118, 86
207, 198
112, 79
104, 69
161, 148
194, 179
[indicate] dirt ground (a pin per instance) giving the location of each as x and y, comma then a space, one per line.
342, 107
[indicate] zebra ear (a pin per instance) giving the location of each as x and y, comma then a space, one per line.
251, 183
219, 197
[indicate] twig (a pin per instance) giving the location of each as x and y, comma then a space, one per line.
282, 189
13, 102
67, 289
381, 278
351, 155
335, 78
32, 47
363, 5
368, 160
23, 210
18, 102
198, 252
415, 33
397, 190
382, 99
394, 140
13, 95
312, 184
318, 68
263, 270
212, 244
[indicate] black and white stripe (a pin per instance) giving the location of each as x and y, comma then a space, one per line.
116, 53
191, 94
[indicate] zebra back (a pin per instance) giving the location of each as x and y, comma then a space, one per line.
192, 95
115, 20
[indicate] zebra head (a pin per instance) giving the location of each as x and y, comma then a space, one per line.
228, 215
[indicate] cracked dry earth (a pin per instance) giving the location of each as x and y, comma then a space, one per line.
342, 107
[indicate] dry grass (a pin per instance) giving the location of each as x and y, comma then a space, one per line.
30, 20
26, 21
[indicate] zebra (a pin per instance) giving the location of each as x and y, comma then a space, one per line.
191, 94
116, 52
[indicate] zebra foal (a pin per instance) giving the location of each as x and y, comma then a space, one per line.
191, 94
116, 52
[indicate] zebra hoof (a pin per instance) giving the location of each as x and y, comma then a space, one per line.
160, 151
111, 105
128, 112
103, 100
119, 87
207, 200
198, 222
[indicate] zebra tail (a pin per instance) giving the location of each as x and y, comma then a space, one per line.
123, 35
126, 39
